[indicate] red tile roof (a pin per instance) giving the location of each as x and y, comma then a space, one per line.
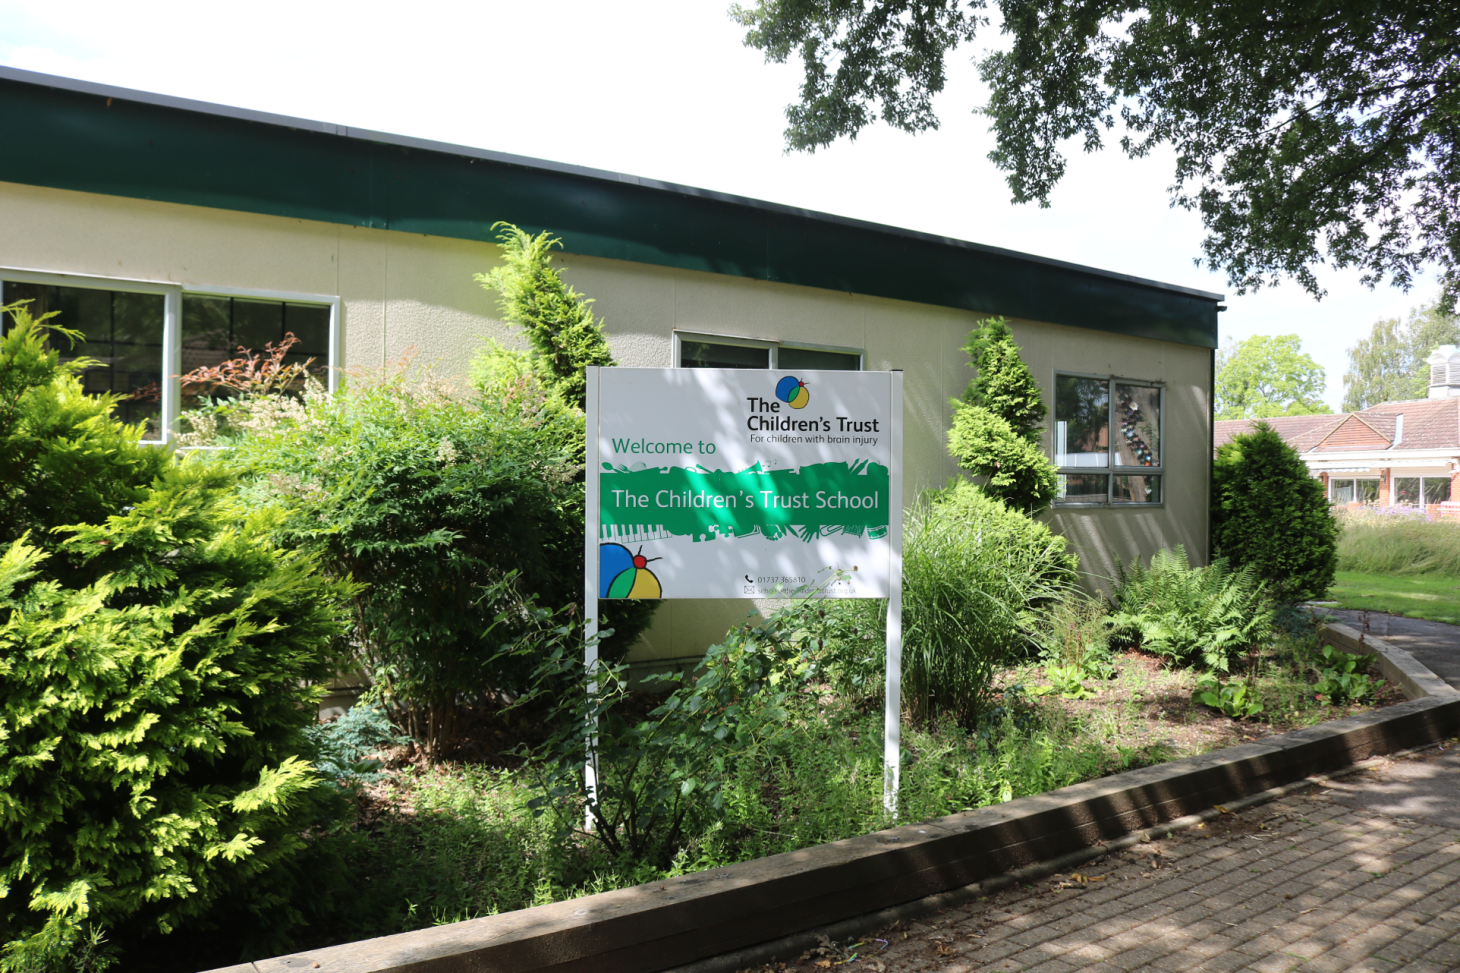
1428, 424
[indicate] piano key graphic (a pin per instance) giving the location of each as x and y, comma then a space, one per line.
631, 533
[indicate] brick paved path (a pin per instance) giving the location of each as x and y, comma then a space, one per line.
1307, 883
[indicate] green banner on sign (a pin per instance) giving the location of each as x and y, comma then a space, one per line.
807, 502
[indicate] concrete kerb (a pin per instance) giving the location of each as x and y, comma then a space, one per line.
728, 918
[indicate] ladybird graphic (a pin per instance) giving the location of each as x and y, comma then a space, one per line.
792, 391
622, 574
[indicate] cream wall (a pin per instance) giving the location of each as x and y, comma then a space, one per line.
400, 290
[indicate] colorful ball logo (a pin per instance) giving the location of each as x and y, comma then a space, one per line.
792, 391
622, 574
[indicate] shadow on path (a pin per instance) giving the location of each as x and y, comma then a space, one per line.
1435, 644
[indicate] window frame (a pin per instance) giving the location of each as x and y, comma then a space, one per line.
172, 321
1111, 470
773, 345
1355, 479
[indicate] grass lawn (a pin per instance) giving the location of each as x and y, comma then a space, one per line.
1434, 597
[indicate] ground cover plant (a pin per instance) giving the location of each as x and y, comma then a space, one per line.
443, 842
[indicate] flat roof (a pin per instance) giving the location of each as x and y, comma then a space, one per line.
89, 137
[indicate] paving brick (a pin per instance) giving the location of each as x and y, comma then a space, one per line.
1333, 891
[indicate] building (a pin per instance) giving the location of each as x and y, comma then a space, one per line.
171, 231
1396, 454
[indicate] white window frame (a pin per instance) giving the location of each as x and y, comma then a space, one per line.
1110, 469
1395, 475
1355, 478
172, 322
773, 345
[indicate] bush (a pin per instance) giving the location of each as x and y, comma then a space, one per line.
556, 320
974, 575
1017, 471
452, 512
150, 671
1191, 615
64, 460
997, 424
1398, 545
1004, 385
1269, 514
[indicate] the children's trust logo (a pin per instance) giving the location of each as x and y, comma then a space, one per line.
792, 391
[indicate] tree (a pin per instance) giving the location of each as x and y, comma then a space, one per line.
1269, 513
1267, 376
997, 424
556, 319
1004, 385
1304, 133
1390, 365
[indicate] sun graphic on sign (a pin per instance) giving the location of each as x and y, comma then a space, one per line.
622, 574
792, 391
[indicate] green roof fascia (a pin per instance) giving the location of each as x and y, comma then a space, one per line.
94, 138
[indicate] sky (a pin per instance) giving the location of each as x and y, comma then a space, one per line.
667, 90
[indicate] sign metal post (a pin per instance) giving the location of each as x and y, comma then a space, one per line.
892, 693
590, 587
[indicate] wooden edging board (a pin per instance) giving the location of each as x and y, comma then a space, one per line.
684, 920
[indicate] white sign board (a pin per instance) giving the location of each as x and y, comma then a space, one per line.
743, 483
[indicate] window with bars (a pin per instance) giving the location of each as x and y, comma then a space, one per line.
126, 336
1108, 441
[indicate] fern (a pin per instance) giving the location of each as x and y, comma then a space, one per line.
1188, 614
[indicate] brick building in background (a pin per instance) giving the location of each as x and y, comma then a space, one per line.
1395, 454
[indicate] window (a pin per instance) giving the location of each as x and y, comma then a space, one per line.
1353, 491
142, 335
214, 328
719, 351
1411, 491
123, 333
1107, 441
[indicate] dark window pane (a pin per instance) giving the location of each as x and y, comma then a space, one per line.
137, 320
830, 361
703, 354
257, 323
1082, 488
1366, 491
1437, 489
1136, 489
207, 331
123, 334
310, 323
1406, 490
1137, 425
1081, 421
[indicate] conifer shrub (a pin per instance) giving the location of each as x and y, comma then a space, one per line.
1003, 384
153, 703
1014, 469
556, 320
997, 424
1270, 514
